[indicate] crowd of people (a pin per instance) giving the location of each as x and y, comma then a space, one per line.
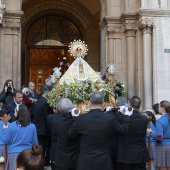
119, 138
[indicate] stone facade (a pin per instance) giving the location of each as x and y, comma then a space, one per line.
134, 35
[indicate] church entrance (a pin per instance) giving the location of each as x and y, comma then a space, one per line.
43, 59
47, 44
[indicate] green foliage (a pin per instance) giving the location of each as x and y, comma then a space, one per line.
79, 91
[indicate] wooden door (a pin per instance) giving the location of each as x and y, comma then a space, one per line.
42, 61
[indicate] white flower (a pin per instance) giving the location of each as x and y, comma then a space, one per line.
1, 159
101, 90
123, 85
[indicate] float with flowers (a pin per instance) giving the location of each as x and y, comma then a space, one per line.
80, 80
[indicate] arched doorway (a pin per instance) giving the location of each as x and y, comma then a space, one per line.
47, 43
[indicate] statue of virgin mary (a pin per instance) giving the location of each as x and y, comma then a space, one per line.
79, 69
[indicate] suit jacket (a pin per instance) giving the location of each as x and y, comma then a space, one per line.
96, 129
35, 95
132, 146
10, 107
50, 118
41, 111
115, 138
67, 151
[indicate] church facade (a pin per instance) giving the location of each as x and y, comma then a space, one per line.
134, 35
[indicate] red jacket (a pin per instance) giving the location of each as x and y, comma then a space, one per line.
27, 101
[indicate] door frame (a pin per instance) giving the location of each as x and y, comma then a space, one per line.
25, 71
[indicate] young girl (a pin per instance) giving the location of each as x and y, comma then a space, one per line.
31, 159
19, 135
3, 116
162, 136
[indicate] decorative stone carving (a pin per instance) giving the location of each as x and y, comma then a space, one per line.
130, 29
13, 24
112, 28
146, 25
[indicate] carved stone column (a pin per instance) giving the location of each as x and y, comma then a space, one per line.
114, 33
114, 42
2, 12
130, 30
12, 48
146, 26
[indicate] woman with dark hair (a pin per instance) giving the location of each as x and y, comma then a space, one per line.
6, 94
30, 159
155, 109
19, 135
162, 136
152, 119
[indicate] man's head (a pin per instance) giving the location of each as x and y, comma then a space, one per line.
96, 99
48, 81
18, 96
118, 87
64, 105
121, 101
135, 102
31, 86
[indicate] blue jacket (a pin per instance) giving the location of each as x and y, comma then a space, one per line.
1, 132
19, 138
162, 134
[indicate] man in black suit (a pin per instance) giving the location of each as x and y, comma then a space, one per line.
50, 118
132, 150
96, 129
116, 111
33, 95
66, 153
41, 111
17, 100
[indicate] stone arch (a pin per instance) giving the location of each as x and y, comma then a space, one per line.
75, 10
87, 23
51, 13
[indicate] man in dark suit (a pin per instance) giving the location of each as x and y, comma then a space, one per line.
41, 111
132, 150
120, 103
47, 86
17, 100
66, 151
33, 95
96, 129
50, 118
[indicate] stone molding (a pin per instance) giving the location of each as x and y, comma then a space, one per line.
12, 24
130, 29
115, 28
146, 25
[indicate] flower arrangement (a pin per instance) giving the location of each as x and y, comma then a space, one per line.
79, 91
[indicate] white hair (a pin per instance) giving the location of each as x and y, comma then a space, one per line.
31, 83
65, 105
25, 90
